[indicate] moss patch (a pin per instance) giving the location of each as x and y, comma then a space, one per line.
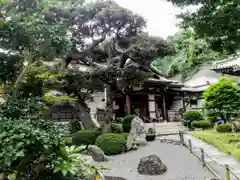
222, 141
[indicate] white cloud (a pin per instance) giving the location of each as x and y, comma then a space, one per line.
160, 15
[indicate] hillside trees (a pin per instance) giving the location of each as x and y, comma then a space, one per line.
189, 53
217, 21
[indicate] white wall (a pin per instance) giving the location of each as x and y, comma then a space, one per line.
176, 105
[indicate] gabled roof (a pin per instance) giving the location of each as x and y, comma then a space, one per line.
228, 66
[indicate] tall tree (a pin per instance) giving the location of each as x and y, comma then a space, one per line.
217, 20
25, 31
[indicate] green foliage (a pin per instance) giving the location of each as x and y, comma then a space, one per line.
84, 137
111, 143
126, 124
52, 98
10, 66
193, 116
210, 20
222, 141
223, 128
74, 126
74, 164
116, 128
213, 116
189, 53
125, 135
204, 124
223, 98
24, 143
32, 108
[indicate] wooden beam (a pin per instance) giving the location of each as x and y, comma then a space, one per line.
128, 104
165, 113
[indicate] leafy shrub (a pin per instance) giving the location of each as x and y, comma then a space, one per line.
84, 137
126, 124
224, 98
151, 131
193, 116
74, 126
204, 124
111, 143
224, 128
213, 116
116, 128
118, 120
63, 128
24, 144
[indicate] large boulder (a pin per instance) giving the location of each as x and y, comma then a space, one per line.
97, 154
151, 165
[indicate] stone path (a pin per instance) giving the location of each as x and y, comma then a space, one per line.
180, 163
216, 159
165, 128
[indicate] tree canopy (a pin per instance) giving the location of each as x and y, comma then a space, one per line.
100, 35
188, 53
218, 21
223, 98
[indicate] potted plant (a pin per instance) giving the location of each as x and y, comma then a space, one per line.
151, 135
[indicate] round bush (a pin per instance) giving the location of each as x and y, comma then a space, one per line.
116, 128
84, 137
204, 124
111, 143
126, 125
222, 128
125, 135
193, 116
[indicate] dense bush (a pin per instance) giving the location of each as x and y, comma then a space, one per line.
74, 126
84, 137
224, 128
126, 124
193, 116
111, 143
213, 116
223, 98
25, 144
116, 128
204, 124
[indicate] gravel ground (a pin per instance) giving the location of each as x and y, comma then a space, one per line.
181, 164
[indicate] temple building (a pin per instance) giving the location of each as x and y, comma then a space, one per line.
230, 66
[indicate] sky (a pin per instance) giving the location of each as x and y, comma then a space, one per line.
160, 15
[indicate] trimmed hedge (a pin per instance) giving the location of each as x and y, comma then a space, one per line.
85, 137
222, 128
193, 116
125, 135
111, 143
204, 124
116, 128
126, 124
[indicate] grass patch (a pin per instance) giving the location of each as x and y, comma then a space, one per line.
226, 142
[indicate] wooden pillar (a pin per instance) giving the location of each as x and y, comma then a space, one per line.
128, 104
152, 106
165, 113
184, 105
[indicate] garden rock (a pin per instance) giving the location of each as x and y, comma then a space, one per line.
137, 134
151, 165
97, 154
113, 178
